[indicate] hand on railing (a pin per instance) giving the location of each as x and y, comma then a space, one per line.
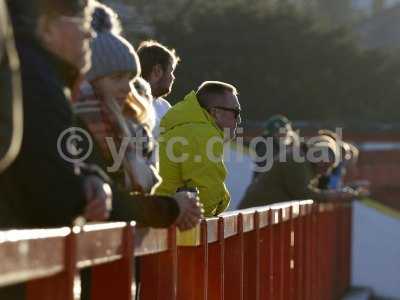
345, 195
191, 210
348, 194
363, 192
99, 199
339, 195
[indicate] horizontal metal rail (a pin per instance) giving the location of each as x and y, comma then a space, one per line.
296, 250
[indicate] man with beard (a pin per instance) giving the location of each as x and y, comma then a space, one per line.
158, 65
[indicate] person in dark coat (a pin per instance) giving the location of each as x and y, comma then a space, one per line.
41, 189
278, 133
296, 177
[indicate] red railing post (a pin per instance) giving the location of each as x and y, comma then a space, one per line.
121, 272
193, 268
216, 265
314, 279
341, 248
299, 253
292, 254
60, 286
277, 254
331, 243
159, 272
251, 268
308, 252
266, 255
286, 280
336, 247
322, 255
233, 265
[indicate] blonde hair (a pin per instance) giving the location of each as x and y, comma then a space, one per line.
139, 106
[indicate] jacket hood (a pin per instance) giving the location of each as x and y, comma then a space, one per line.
188, 111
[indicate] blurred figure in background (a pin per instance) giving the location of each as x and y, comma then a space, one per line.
10, 93
279, 129
351, 177
296, 177
335, 178
351, 162
348, 164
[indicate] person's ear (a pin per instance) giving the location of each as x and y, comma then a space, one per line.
45, 31
157, 73
213, 112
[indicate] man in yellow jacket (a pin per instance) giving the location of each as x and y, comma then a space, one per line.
193, 133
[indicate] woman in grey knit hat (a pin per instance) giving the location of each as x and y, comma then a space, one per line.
107, 99
107, 104
114, 61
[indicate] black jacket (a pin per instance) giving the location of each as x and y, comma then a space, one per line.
40, 188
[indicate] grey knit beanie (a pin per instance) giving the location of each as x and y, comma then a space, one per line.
110, 52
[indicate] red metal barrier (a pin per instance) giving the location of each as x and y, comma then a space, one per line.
296, 250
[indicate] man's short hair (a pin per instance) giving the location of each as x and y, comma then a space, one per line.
152, 53
213, 88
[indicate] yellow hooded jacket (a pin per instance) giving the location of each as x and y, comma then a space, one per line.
191, 155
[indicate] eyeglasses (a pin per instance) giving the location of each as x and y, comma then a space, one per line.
236, 111
82, 22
